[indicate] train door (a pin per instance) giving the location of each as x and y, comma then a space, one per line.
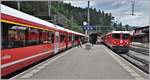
66, 40
56, 42
72, 40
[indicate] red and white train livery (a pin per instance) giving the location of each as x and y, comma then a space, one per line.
27, 39
119, 41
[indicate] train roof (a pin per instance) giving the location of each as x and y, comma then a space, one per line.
121, 32
64, 29
127, 32
19, 14
60, 28
69, 31
15, 13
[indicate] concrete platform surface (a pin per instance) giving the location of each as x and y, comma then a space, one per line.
79, 63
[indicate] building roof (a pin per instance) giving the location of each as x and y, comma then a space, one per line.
139, 28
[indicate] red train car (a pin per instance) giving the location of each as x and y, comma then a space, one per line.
119, 41
27, 39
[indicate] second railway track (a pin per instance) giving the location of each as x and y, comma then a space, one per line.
140, 60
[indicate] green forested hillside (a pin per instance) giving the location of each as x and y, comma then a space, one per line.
65, 14
78, 15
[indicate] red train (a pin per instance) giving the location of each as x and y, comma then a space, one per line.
119, 41
27, 39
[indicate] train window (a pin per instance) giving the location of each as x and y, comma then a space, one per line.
13, 36
70, 38
32, 37
62, 37
125, 36
76, 37
40, 36
116, 36
45, 36
51, 37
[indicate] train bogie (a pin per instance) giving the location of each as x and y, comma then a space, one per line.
121, 49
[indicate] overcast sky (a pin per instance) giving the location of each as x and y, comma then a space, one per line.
119, 9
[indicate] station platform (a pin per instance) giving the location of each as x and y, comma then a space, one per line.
80, 63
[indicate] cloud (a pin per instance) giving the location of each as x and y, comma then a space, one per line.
120, 9
141, 20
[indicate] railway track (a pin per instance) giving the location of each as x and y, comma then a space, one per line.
138, 58
144, 51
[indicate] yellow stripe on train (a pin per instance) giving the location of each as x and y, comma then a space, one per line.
16, 23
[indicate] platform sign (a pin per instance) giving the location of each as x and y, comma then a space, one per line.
88, 27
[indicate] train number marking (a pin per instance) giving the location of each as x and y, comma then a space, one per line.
6, 57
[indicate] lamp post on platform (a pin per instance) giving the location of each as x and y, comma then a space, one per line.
88, 45
88, 19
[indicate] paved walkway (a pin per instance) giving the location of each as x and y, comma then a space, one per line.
79, 63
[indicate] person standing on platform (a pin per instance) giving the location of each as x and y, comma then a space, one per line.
79, 43
91, 41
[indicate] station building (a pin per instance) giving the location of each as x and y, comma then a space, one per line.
141, 34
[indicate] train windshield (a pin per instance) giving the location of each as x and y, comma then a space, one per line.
116, 36
125, 36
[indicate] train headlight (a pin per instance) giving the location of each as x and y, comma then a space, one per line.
115, 43
127, 42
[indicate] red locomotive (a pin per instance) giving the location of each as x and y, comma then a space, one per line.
27, 39
119, 41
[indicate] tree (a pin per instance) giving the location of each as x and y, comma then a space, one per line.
128, 27
120, 26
